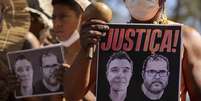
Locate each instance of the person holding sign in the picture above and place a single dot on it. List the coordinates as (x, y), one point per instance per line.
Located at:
(67, 18)
(141, 11)
(119, 72)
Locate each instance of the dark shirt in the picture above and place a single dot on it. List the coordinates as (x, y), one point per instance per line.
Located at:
(39, 88)
(138, 95)
(107, 98)
(143, 97)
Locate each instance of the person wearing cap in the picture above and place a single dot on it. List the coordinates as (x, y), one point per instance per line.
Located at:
(141, 11)
(40, 31)
(67, 18)
(66, 21)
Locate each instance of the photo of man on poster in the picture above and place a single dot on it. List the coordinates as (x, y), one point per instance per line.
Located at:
(48, 83)
(155, 74)
(119, 72)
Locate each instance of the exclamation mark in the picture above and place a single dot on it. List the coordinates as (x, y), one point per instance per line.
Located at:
(176, 36)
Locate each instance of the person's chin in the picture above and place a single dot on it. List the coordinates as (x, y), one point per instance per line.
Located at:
(156, 89)
(61, 38)
(157, 85)
(53, 82)
(120, 87)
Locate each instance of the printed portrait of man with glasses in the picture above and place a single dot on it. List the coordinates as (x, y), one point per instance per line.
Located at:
(49, 83)
(155, 75)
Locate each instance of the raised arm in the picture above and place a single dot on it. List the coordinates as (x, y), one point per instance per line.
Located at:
(81, 76)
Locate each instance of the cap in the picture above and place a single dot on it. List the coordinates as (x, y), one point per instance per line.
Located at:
(83, 3)
(43, 6)
(46, 6)
(46, 20)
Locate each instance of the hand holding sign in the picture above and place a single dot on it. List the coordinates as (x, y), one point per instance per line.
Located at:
(95, 16)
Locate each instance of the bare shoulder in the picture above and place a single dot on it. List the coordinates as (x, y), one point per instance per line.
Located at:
(191, 37)
(190, 33)
(192, 43)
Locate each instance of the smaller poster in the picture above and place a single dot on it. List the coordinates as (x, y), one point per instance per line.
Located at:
(36, 70)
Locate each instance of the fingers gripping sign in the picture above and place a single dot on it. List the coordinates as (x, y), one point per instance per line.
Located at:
(94, 26)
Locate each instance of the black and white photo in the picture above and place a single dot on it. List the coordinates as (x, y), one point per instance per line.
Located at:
(36, 70)
(48, 83)
(119, 72)
(23, 69)
(155, 74)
